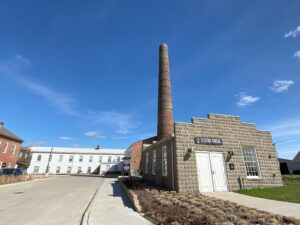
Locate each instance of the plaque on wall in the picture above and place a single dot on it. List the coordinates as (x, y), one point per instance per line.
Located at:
(208, 141)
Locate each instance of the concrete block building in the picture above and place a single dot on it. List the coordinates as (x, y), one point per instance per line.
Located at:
(217, 153)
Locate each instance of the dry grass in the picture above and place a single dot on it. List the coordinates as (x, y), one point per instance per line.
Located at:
(18, 178)
(169, 207)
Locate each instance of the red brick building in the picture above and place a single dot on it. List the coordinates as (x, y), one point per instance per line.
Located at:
(10, 145)
(133, 154)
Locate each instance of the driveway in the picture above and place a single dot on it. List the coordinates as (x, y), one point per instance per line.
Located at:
(272, 206)
(63, 200)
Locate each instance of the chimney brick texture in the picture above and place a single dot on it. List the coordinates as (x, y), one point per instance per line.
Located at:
(165, 121)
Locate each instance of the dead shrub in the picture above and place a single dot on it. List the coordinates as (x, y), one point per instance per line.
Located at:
(172, 208)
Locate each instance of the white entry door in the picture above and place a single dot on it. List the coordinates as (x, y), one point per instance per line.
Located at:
(211, 172)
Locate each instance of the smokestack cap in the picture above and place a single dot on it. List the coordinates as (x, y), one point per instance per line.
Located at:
(163, 45)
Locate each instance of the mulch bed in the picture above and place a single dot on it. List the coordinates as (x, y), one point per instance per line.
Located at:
(169, 207)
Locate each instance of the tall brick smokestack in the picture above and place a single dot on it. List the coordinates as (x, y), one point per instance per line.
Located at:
(165, 121)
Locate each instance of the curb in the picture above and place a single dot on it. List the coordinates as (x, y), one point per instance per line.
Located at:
(132, 197)
(26, 182)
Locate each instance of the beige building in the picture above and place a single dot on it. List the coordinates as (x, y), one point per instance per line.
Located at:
(218, 153)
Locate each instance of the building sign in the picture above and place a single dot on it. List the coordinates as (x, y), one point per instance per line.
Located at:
(208, 141)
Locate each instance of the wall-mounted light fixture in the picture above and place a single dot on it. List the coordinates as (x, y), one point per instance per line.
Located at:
(230, 153)
(188, 154)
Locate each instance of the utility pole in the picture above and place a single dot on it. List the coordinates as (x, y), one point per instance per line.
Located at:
(50, 158)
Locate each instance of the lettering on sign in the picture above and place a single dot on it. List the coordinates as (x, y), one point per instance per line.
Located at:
(208, 141)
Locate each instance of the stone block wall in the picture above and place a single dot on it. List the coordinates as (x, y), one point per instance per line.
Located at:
(234, 135)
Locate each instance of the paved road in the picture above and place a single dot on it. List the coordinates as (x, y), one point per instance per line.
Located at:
(60, 200)
(57, 201)
(272, 206)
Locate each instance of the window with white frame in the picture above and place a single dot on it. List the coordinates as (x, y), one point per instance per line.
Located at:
(12, 152)
(250, 160)
(58, 169)
(153, 162)
(100, 158)
(164, 161)
(147, 161)
(71, 157)
(109, 158)
(80, 158)
(39, 158)
(4, 147)
(91, 158)
(61, 158)
(118, 158)
(89, 169)
(79, 169)
(69, 169)
(36, 169)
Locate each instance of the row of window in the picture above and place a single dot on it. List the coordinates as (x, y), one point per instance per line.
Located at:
(249, 154)
(69, 169)
(5, 147)
(71, 158)
(23, 155)
(163, 152)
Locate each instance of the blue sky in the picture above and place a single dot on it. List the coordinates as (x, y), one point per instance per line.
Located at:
(81, 73)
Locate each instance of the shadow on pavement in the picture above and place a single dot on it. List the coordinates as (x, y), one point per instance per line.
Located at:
(118, 192)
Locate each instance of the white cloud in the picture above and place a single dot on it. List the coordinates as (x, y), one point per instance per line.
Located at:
(293, 33)
(286, 135)
(76, 145)
(286, 128)
(297, 54)
(65, 138)
(120, 137)
(124, 123)
(24, 60)
(12, 69)
(94, 134)
(280, 86)
(37, 143)
(245, 100)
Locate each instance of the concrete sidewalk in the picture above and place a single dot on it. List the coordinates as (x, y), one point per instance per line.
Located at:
(111, 206)
(272, 206)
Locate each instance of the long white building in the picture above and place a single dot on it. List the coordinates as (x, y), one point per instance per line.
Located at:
(58, 160)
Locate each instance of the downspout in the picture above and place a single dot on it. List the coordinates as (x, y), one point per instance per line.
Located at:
(172, 150)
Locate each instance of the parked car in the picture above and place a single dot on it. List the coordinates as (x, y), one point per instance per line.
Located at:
(11, 171)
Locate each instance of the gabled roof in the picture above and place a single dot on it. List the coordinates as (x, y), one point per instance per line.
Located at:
(297, 157)
(9, 135)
